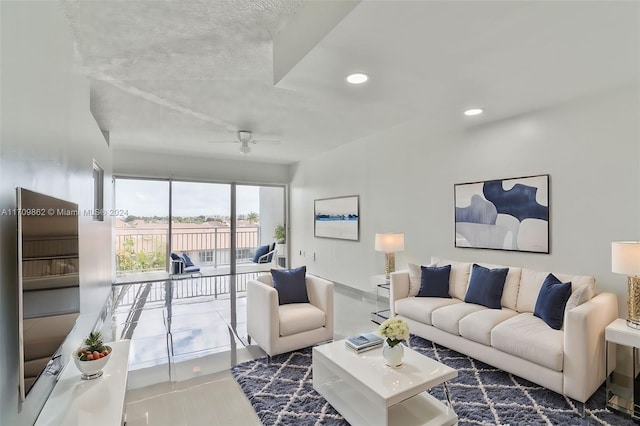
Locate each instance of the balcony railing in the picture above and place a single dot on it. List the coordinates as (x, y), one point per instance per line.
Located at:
(156, 293)
(141, 250)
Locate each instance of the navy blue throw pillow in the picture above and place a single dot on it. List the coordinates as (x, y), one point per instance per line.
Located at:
(435, 281)
(260, 251)
(551, 301)
(176, 257)
(187, 260)
(485, 286)
(291, 285)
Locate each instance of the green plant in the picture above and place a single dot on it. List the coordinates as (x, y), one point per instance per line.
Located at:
(280, 234)
(94, 342)
(128, 259)
(253, 217)
(93, 348)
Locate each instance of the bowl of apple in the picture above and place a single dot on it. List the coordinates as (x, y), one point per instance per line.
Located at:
(91, 358)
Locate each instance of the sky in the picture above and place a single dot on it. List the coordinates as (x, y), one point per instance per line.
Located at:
(151, 198)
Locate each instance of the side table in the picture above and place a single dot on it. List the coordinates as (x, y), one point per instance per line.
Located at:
(383, 286)
(623, 384)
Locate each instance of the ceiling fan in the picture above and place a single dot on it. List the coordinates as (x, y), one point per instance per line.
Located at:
(245, 137)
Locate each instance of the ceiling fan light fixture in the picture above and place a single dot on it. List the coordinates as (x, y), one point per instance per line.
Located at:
(245, 148)
(244, 136)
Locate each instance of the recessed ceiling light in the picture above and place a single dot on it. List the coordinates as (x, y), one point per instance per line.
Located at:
(473, 111)
(357, 78)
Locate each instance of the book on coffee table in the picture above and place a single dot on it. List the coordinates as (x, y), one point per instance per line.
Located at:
(364, 342)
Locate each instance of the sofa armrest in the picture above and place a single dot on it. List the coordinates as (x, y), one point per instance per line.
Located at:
(320, 293)
(584, 345)
(399, 289)
(263, 319)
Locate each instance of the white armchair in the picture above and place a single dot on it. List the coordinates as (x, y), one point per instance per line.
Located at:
(283, 328)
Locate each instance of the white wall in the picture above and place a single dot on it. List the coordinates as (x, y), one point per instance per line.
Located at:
(271, 212)
(48, 142)
(145, 164)
(405, 179)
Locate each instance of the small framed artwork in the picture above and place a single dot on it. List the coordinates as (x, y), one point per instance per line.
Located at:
(504, 214)
(337, 217)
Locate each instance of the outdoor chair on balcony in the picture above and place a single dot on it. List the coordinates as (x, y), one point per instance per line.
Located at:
(183, 265)
(265, 254)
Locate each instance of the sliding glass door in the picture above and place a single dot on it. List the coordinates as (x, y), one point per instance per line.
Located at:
(260, 210)
(142, 229)
(201, 224)
(197, 219)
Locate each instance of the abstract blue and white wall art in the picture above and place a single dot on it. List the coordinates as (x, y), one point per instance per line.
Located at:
(507, 214)
(337, 218)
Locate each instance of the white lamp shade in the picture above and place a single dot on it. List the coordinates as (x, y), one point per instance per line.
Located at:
(389, 243)
(625, 257)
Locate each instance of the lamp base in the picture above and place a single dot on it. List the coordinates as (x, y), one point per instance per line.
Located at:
(390, 264)
(633, 302)
(633, 324)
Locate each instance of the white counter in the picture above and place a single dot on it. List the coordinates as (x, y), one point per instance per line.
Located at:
(97, 402)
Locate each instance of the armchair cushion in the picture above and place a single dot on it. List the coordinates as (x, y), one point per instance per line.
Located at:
(300, 317)
(260, 251)
(291, 285)
(187, 260)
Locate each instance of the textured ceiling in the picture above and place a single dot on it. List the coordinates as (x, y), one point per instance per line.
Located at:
(171, 76)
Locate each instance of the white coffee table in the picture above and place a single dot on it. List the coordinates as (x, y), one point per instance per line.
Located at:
(367, 392)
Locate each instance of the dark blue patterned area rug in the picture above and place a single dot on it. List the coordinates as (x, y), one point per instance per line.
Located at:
(282, 394)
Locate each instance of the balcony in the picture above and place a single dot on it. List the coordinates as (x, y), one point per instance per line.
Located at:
(142, 252)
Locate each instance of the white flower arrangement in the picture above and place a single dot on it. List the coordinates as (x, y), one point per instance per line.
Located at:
(395, 330)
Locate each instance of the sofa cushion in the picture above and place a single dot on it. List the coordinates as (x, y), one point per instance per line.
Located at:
(458, 278)
(291, 285)
(528, 337)
(531, 281)
(578, 297)
(477, 326)
(551, 301)
(448, 317)
(420, 308)
(511, 284)
(299, 317)
(434, 281)
(415, 278)
(486, 286)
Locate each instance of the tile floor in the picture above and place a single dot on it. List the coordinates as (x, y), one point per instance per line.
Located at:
(186, 335)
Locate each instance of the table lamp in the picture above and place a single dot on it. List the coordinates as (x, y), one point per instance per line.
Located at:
(389, 243)
(625, 259)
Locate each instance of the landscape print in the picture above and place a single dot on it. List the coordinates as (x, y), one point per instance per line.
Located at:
(337, 218)
(507, 214)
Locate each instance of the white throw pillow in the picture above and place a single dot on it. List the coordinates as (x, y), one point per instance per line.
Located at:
(415, 278)
(582, 294)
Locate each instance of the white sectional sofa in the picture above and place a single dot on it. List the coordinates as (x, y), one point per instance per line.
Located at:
(570, 361)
